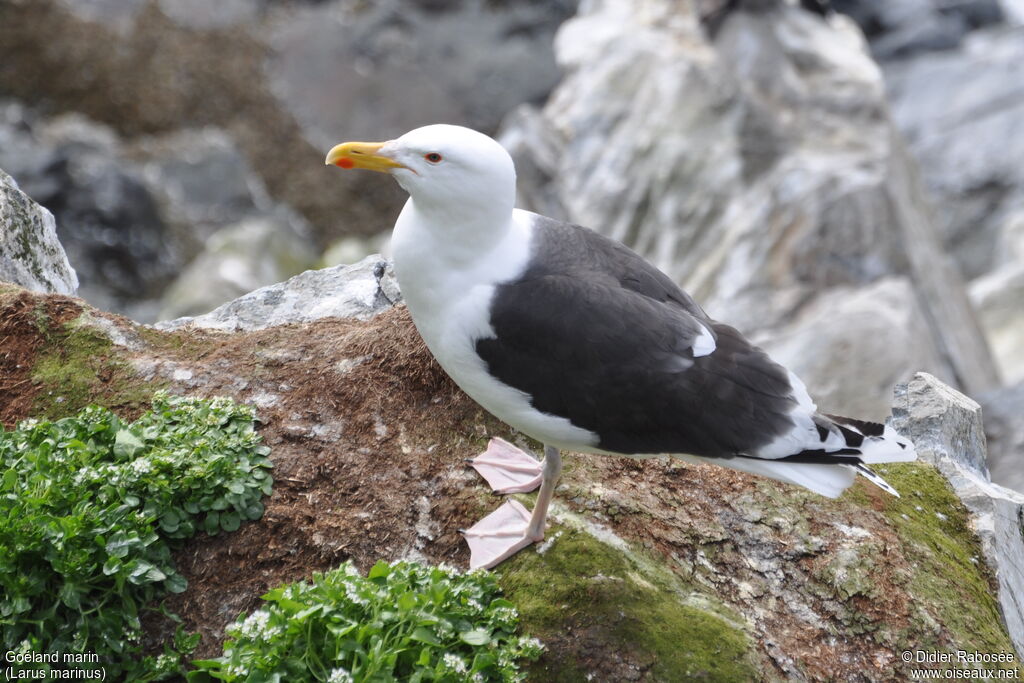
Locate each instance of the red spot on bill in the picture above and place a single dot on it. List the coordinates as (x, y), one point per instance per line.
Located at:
(345, 162)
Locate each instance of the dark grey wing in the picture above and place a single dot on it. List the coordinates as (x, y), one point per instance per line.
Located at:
(606, 341)
(567, 249)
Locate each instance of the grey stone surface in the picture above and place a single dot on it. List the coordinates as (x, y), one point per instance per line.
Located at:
(891, 342)
(946, 428)
(910, 27)
(134, 214)
(962, 112)
(759, 169)
(31, 256)
(107, 219)
(202, 182)
(359, 291)
(1003, 410)
(998, 297)
(413, 63)
(941, 421)
(236, 260)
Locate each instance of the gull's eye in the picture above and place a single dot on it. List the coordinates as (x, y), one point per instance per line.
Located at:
(433, 157)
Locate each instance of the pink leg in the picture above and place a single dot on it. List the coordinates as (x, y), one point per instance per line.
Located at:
(511, 527)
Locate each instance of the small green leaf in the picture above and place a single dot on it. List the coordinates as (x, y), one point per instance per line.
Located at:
(254, 510)
(230, 521)
(379, 570)
(126, 444)
(176, 583)
(424, 635)
(477, 636)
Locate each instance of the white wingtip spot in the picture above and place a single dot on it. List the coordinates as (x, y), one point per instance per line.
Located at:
(704, 344)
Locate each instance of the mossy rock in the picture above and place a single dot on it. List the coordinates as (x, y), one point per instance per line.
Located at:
(614, 610)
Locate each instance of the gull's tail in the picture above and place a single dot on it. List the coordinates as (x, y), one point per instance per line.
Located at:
(838, 449)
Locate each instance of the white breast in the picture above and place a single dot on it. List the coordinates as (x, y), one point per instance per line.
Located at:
(449, 293)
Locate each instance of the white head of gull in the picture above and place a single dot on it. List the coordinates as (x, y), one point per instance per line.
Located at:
(578, 342)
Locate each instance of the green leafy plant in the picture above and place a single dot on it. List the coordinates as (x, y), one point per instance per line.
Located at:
(89, 507)
(403, 621)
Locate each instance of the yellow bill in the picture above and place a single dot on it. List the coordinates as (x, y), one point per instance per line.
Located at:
(361, 155)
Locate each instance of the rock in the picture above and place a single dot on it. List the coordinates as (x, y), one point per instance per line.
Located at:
(202, 15)
(107, 220)
(31, 255)
(450, 59)
(352, 249)
(1014, 10)
(133, 213)
(236, 260)
(961, 112)
(202, 182)
(652, 570)
(900, 29)
(892, 340)
(1003, 410)
(310, 72)
(946, 428)
(758, 169)
(998, 298)
(361, 290)
(941, 421)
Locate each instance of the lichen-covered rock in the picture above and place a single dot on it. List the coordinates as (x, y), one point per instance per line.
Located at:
(31, 256)
(358, 291)
(947, 429)
(758, 167)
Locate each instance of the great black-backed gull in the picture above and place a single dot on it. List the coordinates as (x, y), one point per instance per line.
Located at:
(576, 341)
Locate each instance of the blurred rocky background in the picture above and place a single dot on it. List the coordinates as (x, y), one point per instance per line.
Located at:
(841, 181)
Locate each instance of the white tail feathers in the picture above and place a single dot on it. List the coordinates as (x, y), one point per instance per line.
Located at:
(850, 444)
(875, 442)
(828, 480)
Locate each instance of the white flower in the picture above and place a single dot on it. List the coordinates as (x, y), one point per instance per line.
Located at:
(142, 466)
(529, 644)
(257, 626)
(165, 662)
(504, 615)
(237, 670)
(454, 662)
(340, 675)
(353, 596)
(476, 606)
(478, 677)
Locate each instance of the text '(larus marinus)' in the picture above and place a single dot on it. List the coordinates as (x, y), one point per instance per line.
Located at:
(578, 342)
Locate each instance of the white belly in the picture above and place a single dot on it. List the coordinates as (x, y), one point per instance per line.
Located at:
(450, 304)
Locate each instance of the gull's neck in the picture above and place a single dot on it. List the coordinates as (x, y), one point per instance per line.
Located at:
(440, 259)
(458, 235)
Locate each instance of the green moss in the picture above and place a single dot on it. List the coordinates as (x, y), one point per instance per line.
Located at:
(950, 578)
(76, 367)
(179, 344)
(585, 599)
